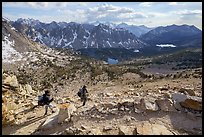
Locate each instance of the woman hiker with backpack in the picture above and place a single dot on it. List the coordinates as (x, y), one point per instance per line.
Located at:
(46, 100)
(83, 94)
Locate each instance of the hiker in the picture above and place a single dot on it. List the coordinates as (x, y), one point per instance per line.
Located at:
(84, 94)
(47, 100)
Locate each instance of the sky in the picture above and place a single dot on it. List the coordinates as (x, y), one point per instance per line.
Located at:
(151, 14)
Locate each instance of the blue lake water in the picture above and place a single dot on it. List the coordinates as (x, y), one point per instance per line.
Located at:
(112, 61)
(166, 45)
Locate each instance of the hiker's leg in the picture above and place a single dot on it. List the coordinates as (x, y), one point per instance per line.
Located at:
(34, 106)
(46, 108)
(84, 101)
(51, 107)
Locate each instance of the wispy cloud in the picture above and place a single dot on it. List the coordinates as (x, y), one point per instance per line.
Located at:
(104, 12)
(188, 12)
(173, 3)
(37, 5)
(146, 4)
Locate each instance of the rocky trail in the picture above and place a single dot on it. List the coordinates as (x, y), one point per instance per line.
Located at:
(156, 108)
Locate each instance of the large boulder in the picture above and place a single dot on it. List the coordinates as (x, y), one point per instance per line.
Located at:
(125, 130)
(28, 88)
(95, 131)
(65, 112)
(7, 116)
(11, 80)
(194, 103)
(186, 101)
(151, 129)
(107, 128)
(49, 123)
(126, 104)
(165, 104)
(148, 105)
(33, 104)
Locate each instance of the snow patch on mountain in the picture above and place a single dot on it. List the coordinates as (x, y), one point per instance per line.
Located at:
(13, 28)
(75, 36)
(136, 50)
(9, 54)
(60, 41)
(92, 43)
(120, 43)
(109, 43)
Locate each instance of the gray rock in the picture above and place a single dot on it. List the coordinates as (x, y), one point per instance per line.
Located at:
(186, 101)
(11, 80)
(107, 128)
(151, 129)
(34, 103)
(65, 112)
(124, 130)
(165, 105)
(95, 131)
(49, 123)
(148, 105)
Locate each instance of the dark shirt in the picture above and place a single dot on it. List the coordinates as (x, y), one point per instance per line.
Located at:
(47, 99)
(84, 91)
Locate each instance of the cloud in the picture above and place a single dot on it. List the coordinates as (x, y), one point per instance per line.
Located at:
(113, 13)
(83, 3)
(102, 12)
(188, 12)
(146, 4)
(173, 3)
(177, 3)
(38, 5)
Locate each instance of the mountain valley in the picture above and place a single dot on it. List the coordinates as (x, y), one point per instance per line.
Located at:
(150, 91)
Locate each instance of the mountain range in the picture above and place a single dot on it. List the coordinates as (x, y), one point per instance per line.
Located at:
(104, 40)
(77, 36)
(183, 35)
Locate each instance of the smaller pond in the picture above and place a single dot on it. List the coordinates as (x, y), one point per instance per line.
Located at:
(166, 45)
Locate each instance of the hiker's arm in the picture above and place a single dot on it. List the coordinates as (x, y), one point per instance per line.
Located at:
(51, 100)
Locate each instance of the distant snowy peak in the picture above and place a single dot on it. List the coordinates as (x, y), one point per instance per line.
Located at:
(63, 24)
(30, 22)
(96, 23)
(111, 25)
(122, 25)
(136, 30)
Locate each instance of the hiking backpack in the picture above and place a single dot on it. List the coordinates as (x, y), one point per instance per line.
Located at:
(41, 101)
(79, 92)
